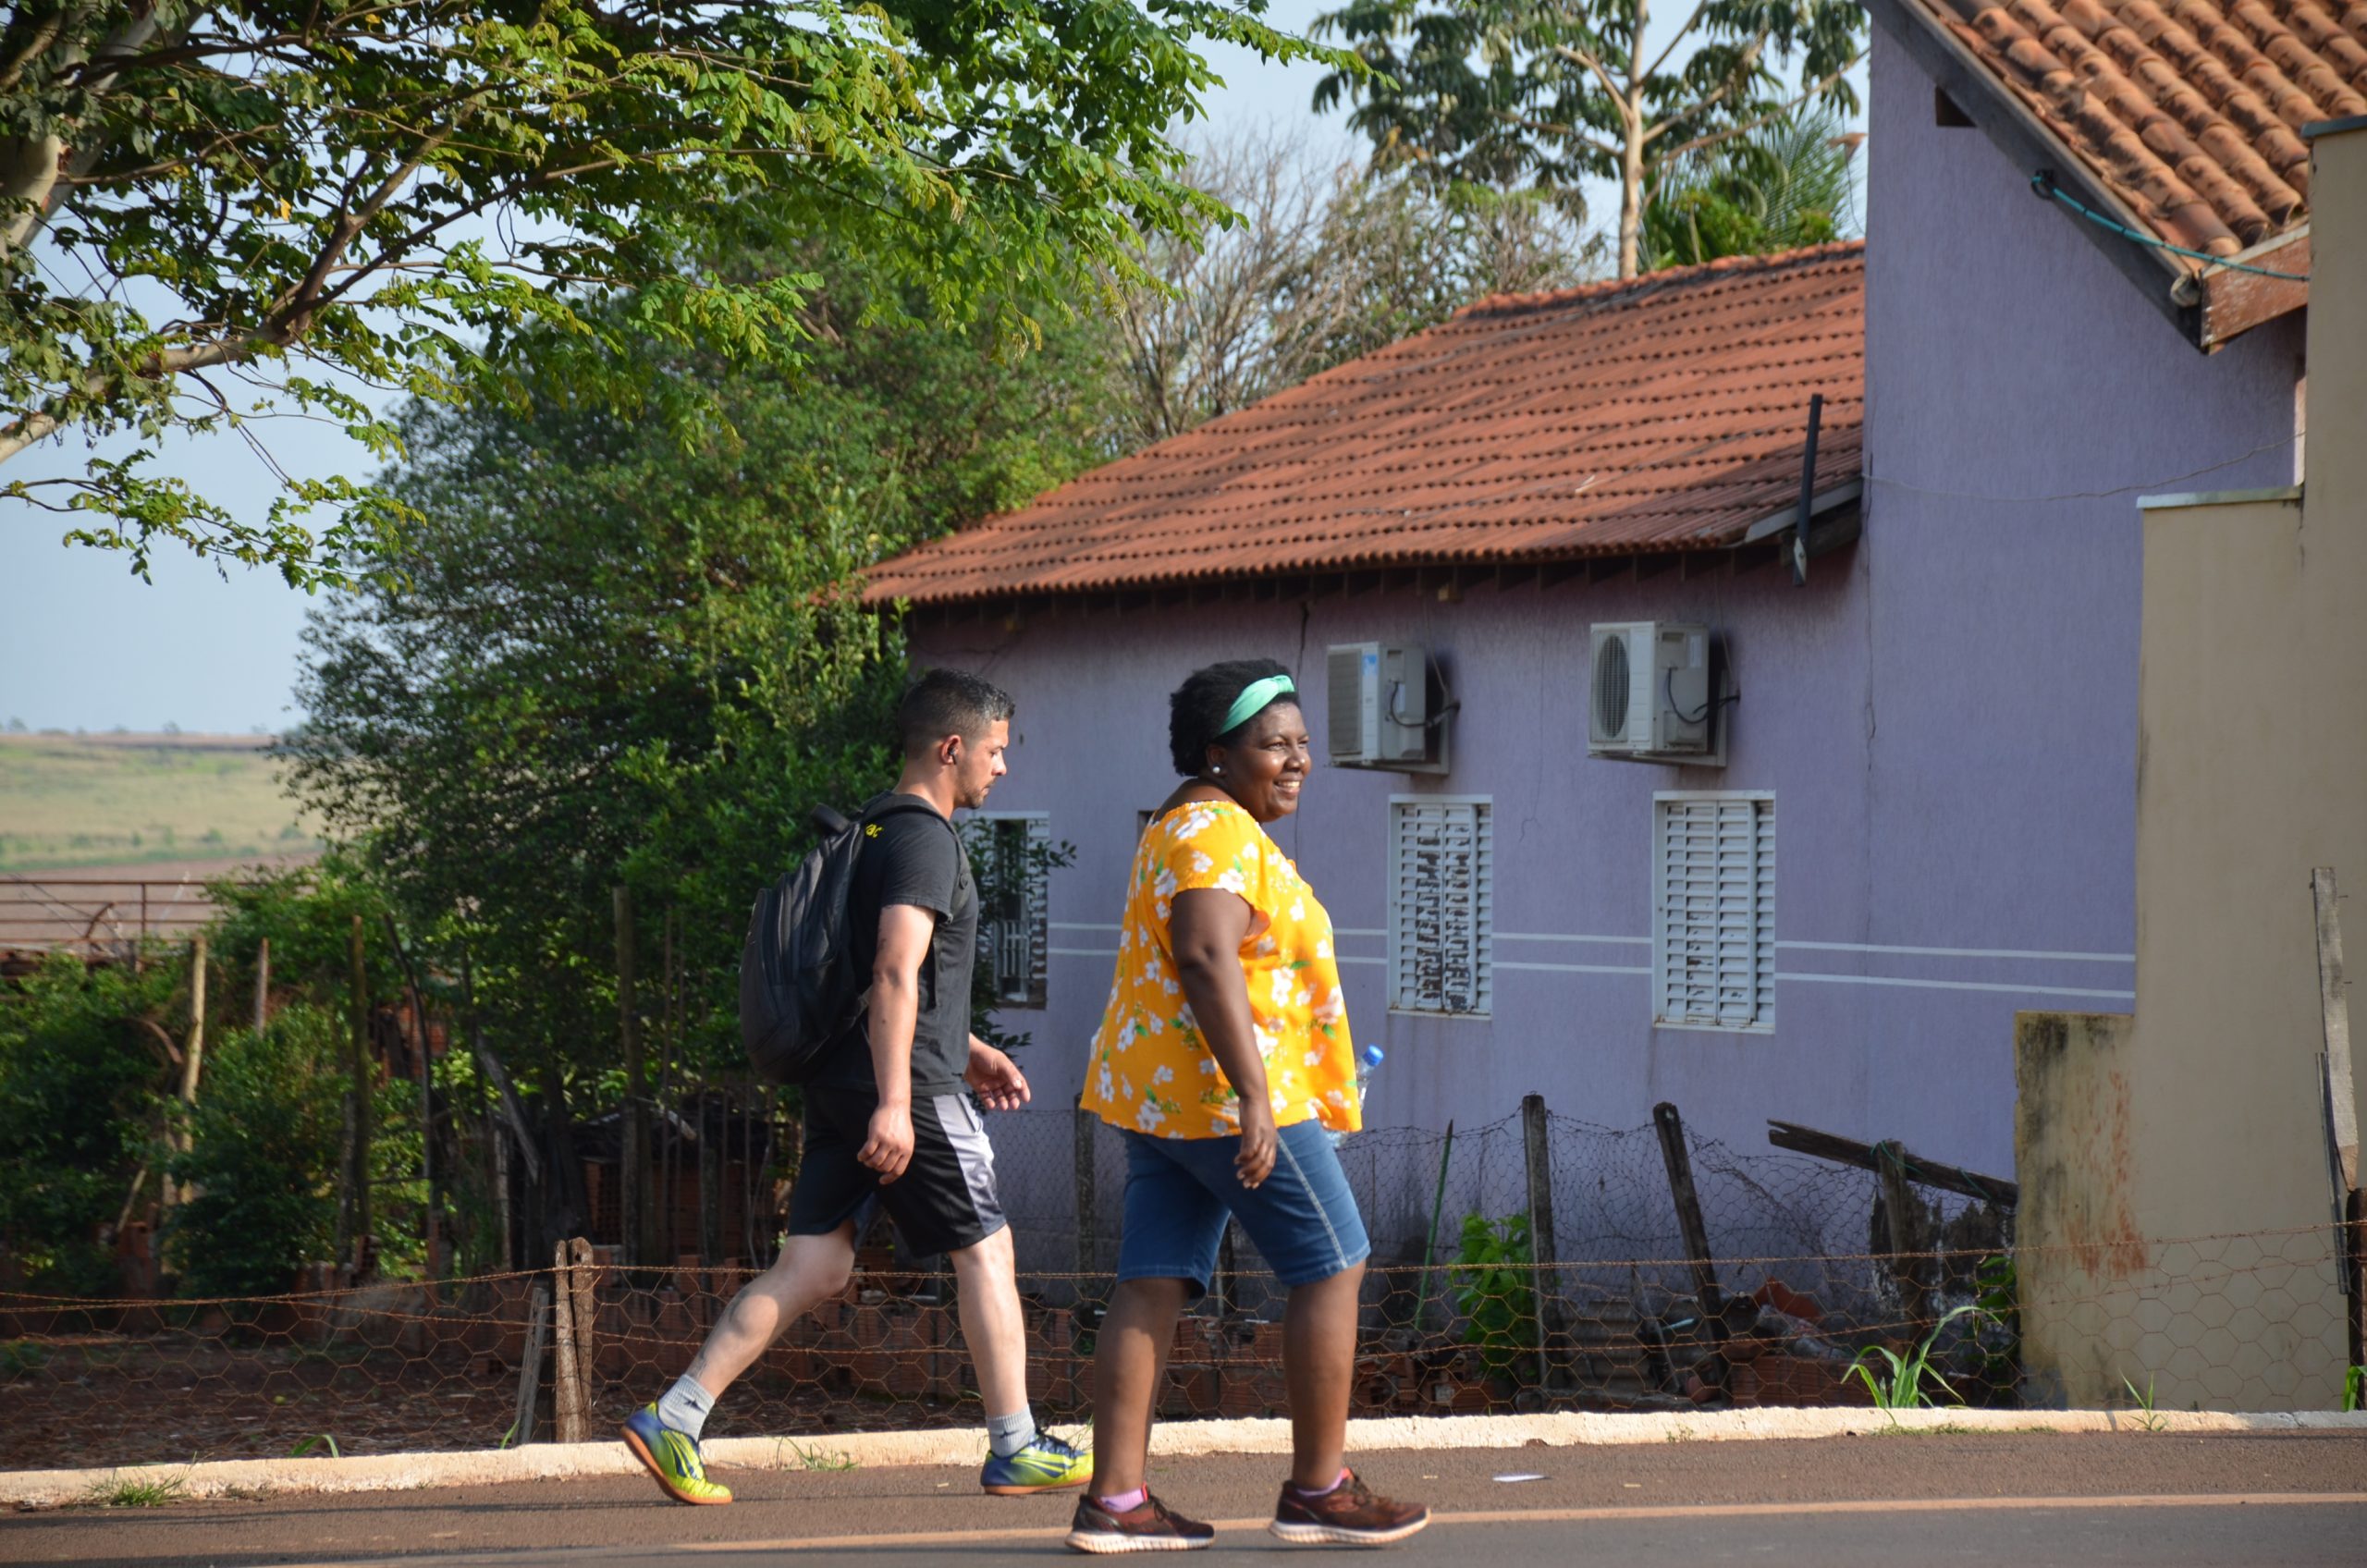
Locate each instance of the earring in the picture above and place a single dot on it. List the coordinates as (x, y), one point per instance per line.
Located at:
(1217, 768)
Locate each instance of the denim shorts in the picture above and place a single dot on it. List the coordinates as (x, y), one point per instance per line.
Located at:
(1302, 1219)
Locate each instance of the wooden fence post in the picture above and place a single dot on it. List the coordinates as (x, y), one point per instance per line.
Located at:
(1904, 1212)
(584, 1279)
(1087, 1127)
(1696, 1232)
(263, 981)
(568, 1413)
(1545, 1280)
(530, 1363)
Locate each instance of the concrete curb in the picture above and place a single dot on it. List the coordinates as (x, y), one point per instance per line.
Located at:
(966, 1445)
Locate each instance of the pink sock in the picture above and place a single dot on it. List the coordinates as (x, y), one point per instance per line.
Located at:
(1338, 1481)
(1123, 1502)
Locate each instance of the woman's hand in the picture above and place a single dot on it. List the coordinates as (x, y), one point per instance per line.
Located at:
(1255, 1161)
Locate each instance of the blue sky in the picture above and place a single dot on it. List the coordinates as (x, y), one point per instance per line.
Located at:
(84, 644)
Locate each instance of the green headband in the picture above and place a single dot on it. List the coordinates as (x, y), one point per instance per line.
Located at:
(1254, 699)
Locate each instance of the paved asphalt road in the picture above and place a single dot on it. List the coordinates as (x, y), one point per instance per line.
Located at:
(2094, 1502)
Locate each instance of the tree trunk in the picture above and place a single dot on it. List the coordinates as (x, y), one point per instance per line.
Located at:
(353, 1180)
(1631, 190)
(632, 1164)
(565, 1210)
(193, 1057)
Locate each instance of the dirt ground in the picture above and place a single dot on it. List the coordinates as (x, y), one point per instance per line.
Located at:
(175, 1398)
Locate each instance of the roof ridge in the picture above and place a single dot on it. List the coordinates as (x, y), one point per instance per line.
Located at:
(1605, 288)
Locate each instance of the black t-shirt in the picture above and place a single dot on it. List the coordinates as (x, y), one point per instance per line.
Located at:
(914, 856)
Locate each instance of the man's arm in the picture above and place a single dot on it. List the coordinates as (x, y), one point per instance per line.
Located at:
(895, 1011)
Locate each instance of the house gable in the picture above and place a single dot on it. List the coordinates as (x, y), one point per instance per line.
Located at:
(2175, 120)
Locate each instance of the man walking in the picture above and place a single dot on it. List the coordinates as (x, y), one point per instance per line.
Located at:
(886, 1117)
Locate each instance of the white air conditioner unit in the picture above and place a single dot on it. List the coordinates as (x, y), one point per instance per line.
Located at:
(1653, 695)
(1380, 712)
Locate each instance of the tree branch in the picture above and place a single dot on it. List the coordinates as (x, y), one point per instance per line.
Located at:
(1552, 127)
(1570, 51)
(1678, 37)
(1740, 73)
(39, 186)
(32, 427)
(1775, 114)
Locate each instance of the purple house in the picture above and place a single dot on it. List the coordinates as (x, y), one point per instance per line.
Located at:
(1700, 741)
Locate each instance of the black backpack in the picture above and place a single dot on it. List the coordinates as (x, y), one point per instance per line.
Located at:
(799, 991)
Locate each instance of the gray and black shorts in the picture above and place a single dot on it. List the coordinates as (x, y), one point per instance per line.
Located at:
(944, 1201)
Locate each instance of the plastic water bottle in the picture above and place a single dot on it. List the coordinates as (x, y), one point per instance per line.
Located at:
(1367, 1058)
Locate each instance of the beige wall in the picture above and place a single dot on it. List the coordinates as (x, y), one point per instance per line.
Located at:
(2202, 1118)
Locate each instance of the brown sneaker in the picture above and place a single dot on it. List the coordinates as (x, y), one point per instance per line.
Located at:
(1349, 1514)
(1151, 1527)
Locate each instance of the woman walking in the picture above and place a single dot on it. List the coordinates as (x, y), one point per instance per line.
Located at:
(1224, 1057)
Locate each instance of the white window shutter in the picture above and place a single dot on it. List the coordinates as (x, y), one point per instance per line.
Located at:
(1441, 904)
(1039, 909)
(1014, 935)
(1714, 924)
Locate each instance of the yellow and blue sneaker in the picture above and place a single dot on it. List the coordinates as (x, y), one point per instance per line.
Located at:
(1048, 1465)
(672, 1458)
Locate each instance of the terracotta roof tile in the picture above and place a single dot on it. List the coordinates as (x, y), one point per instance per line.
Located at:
(1664, 413)
(2188, 111)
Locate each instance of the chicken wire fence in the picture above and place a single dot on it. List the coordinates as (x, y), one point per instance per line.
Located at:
(1536, 1262)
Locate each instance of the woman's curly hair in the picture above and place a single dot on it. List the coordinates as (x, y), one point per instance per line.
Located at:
(1196, 710)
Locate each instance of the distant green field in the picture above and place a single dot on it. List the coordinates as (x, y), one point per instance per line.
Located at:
(69, 800)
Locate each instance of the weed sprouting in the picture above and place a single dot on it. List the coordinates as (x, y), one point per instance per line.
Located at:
(1903, 1388)
(2148, 1418)
(119, 1490)
(816, 1459)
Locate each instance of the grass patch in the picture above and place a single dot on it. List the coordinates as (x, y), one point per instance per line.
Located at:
(816, 1459)
(119, 1490)
(1944, 1429)
(20, 1357)
(125, 800)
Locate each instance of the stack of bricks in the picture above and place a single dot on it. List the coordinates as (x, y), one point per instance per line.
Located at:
(1229, 1367)
(1778, 1380)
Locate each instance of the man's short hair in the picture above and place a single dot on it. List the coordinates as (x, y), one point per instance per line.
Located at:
(948, 702)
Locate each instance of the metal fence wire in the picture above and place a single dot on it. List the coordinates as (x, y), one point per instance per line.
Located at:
(1808, 1263)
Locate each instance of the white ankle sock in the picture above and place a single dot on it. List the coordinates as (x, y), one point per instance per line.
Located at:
(685, 1406)
(1006, 1435)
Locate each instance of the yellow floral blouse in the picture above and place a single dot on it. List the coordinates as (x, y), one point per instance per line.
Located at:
(1150, 1068)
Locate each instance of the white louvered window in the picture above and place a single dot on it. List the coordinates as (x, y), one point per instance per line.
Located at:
(1010, 854)
(1713, 911)
(1442, 903)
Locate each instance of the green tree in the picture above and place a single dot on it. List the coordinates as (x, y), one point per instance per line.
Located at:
(82, 1069)
(1502, 92)
(1787, 184)
(263, 1153)
(217, 215)
(618, 657)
